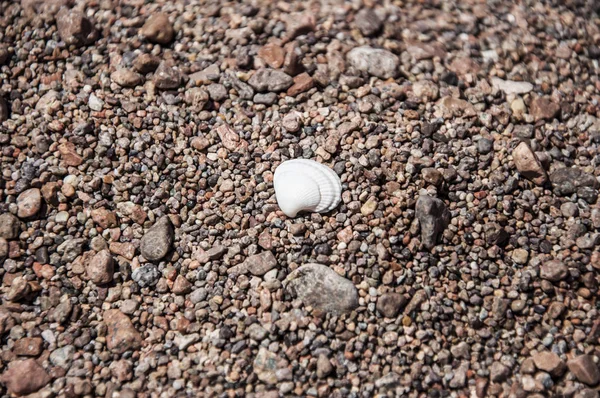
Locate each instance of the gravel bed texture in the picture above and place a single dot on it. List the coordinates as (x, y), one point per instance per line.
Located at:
(143, 252)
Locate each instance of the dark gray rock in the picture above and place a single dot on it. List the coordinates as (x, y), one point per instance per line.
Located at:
(3, 109)
(570, 180)
(434, 217)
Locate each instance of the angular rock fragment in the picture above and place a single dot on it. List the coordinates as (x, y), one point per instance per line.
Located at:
(585, 369)
(433, 217)
(257, 264)
(368, 22)
(374, 61)
(528, 164)
(24, 377)
(75, 28)
(320, 287)
(101, 268)
(122, 335)
(570, 180)
(158, 29)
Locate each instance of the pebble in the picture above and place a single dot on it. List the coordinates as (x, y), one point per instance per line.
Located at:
(158, 239)
(126, 78)
(302, 83)
(62, 311)
(266, 366)
(320, 287)
(499, 372)
(95, 104)
(433, 217)
(529, 165)
(271, 80)
(4, 55)
(74, 28)
(217, 92)
(256, 332)
(166, 77)
(299, 24)
(100, 269)
(28, 346)
(123, 249)
(19, 289)
(485, 145)
(4, 110)
(520, 256)
(181, 285)
(549, 362)
(324, 367)
(29, 203)
(585, 369)
(542, 108)
(553, 271)
(272, 54)
(122, 335)
(450, 106)
(510, 87)
(104, 218)
(292, 122)
(432, 176)
(24, 377)
(391, 304)
(377, 62)
(257, 264)
(146, 63)
(9, 226)
(158, 29)
(62, 356)
(368, 22)
(146, 275)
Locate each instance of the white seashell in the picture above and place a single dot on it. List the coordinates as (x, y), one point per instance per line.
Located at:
(306, 185)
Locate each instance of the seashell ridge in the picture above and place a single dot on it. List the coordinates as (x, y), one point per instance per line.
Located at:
(306, 185)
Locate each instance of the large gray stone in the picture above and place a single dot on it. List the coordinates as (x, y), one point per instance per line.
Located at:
(157, 241)
(374, 61)
(321, 287)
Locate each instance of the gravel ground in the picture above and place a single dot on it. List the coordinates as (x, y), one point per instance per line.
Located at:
(143, 252)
